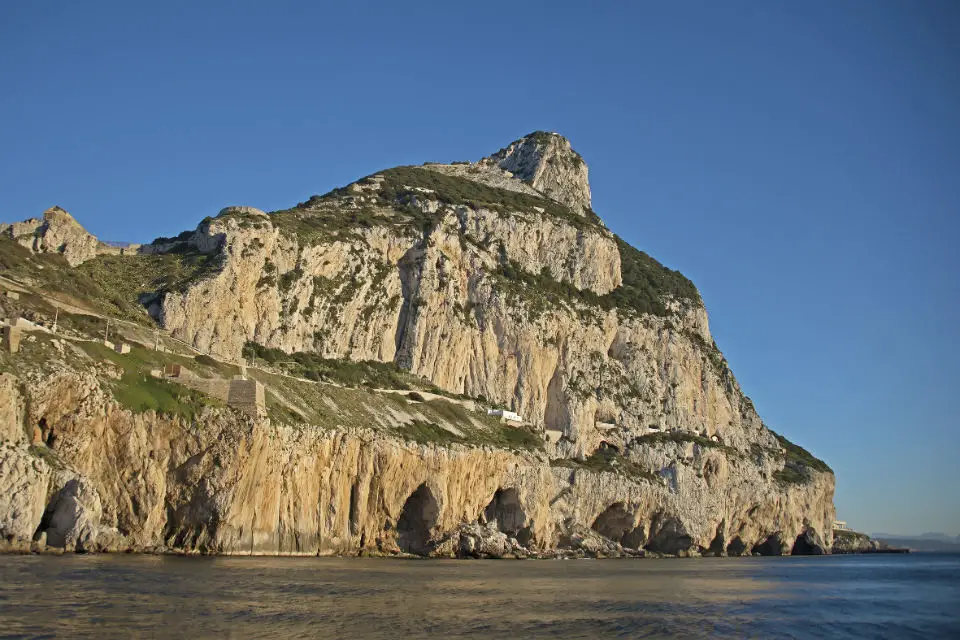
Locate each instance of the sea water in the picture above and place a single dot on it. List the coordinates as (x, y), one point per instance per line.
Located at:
(866, 596)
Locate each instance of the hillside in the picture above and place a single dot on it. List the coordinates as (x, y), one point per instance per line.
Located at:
(381, 322)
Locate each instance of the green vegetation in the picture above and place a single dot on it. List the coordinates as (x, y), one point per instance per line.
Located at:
(206, 360)
(849, 536)
(109, 284)
(298, 402)
(454, 190)
(683, 437)
(424, 432)
(647, 284)
(799, 456)
(798, 462)
(609, 460)
(350, 373)
(493, 434)
(138, 391)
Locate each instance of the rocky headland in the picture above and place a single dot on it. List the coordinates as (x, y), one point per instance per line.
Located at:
(381, 323)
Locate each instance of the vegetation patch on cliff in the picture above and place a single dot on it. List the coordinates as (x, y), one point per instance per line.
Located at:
(609, 460)
(455, 190)
(138, 391)
(647, 286)
(351, 373)
(109, 284)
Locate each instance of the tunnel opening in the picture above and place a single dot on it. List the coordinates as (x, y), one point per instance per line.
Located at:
(417, 520)
(507, 512)
(769, 547)
(616, 523)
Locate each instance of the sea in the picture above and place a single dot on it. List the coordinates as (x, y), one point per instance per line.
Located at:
(131, 596)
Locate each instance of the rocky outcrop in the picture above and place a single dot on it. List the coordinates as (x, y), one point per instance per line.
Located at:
(845, 541)
(56, 232)
(548, 163)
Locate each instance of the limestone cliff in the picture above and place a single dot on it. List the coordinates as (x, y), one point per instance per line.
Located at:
(492, 281)
(100, 476)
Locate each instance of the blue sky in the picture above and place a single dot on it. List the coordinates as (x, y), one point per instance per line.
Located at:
(799, 161)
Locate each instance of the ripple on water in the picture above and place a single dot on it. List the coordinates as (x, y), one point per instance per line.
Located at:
(120, 596)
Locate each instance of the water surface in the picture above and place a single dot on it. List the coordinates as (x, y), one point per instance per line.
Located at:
(914, 596)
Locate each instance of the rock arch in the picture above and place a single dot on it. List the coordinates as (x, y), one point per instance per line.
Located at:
(806, 544)
(417, 520)
(618, 524)
(507, 511)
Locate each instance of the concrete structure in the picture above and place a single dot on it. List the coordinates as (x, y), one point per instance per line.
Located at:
(109, 345)
(174, 370)
(504, 415)
(122, 347)
(248, 396)
(840, 525)
(11, 338)
(13, 295)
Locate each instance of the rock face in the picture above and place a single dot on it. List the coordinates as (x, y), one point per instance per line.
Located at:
(491, 280)
(57, 232)
(549, 164)
(224, 483)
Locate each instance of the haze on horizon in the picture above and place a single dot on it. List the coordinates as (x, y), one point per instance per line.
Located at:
(798, 163)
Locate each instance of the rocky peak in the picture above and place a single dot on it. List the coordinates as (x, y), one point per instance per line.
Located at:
(548, 163)
(57, 232)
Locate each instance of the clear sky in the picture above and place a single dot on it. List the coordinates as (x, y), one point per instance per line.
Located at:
(800, 161)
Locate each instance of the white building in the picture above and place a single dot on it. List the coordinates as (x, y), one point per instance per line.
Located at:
(503, 414)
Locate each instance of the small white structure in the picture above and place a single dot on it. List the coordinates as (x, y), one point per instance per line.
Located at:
(121, 347)
(840, 525)
(13, 295)
(503, 414)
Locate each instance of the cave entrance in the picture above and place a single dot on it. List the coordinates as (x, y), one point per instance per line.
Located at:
(769, 547)
(716, 547)
(417, 520)
(802, 547)
(669, 536)
(616, 523)
(736, 547)
(505, 509)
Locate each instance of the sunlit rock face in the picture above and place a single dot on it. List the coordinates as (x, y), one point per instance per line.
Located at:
(548, 163)
(492, 280)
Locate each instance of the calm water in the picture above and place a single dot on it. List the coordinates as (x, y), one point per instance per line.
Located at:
(915, 596)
